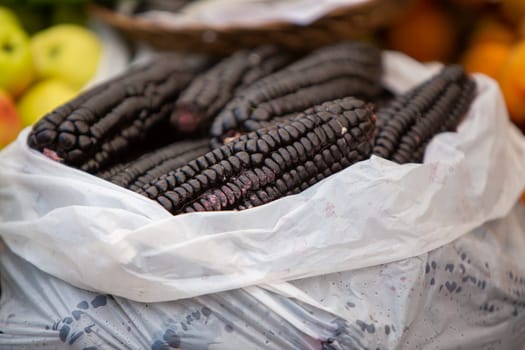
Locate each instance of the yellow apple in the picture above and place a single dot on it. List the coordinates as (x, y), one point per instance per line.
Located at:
(16, 71)
(10, 123)
(67, 52)
(7, 17)
(42, 98)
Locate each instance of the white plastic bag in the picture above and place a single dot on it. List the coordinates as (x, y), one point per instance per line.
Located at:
(468, 294)
(100, 237)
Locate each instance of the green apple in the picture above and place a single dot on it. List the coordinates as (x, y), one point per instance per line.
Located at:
(67, 52)
(16, 69)
(10, 123)
(42, 98)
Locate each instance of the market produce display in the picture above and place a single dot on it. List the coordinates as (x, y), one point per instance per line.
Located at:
(279, 196)
(272, 134)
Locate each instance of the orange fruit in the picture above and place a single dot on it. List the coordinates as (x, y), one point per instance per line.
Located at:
(486, 57)
(521, 28)
(512, 82)
(425, 32)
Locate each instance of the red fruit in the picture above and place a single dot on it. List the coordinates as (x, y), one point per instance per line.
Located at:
(10, 123)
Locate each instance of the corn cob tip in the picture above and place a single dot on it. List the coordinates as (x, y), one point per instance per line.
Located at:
(186, 120)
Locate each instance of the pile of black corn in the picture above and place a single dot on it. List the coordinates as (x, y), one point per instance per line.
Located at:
(204, 134)
(272, 162)
(348, 69)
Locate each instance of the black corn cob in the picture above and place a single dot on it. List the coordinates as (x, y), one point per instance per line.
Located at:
(108, 173)
(209, 92)
(94, 129)
(137, 173)
(407, 124)
(379, 101)
(322, 165)
(346, 69)
(270, 163)
(253, 125)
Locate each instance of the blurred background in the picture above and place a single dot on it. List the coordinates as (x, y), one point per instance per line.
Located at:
(52, 50)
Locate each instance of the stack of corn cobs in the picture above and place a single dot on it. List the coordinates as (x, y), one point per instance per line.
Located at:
(197, 134)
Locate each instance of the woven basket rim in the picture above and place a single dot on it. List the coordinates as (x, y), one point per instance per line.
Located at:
(144, 24)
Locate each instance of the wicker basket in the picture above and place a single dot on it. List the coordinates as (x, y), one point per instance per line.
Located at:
(343, 23)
